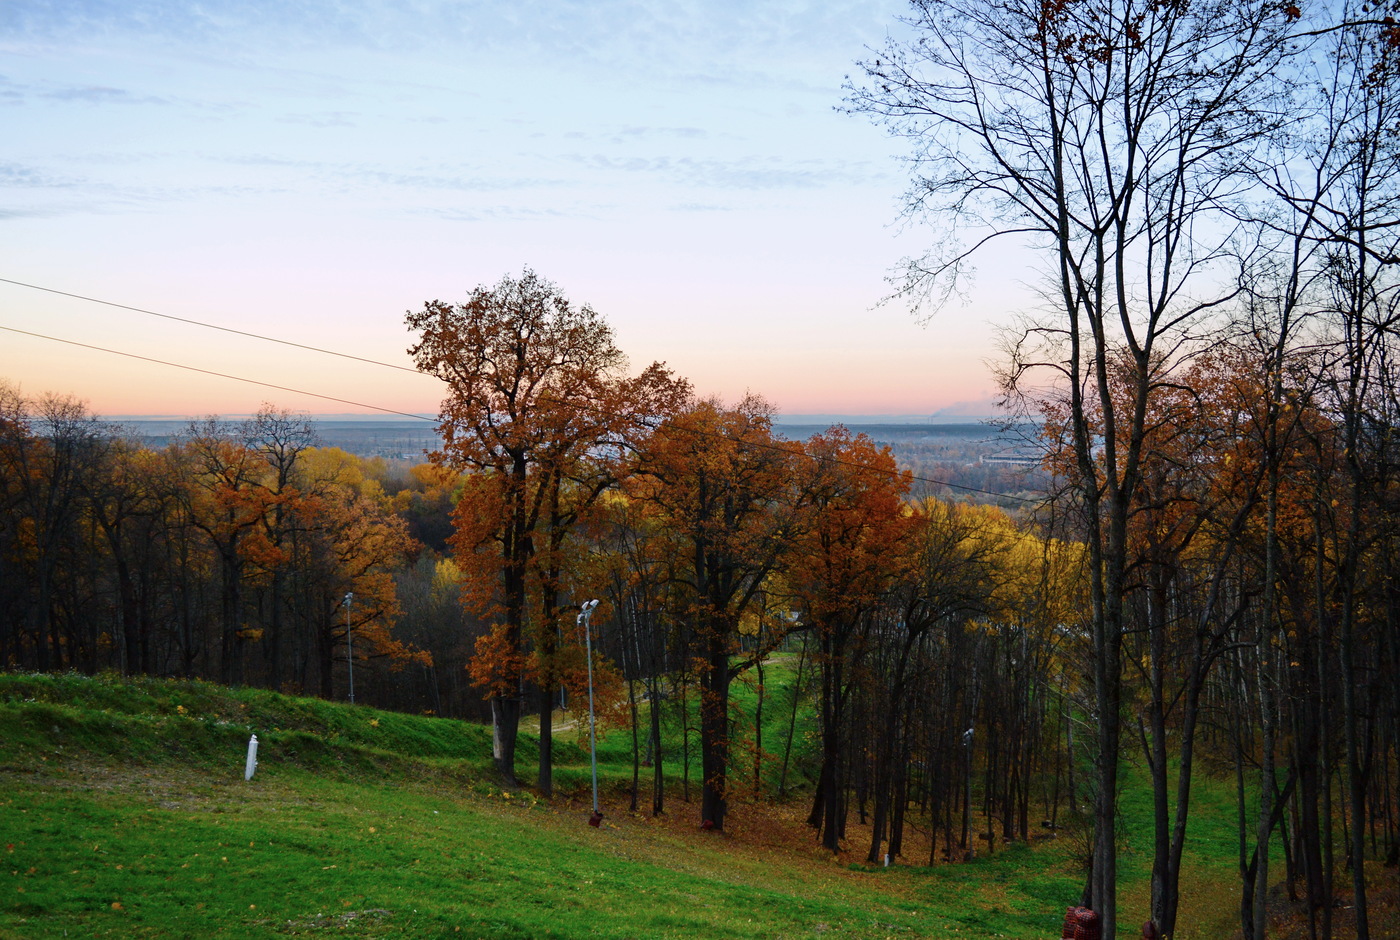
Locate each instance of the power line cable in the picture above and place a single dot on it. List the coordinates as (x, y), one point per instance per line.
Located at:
(329, 352)
(581, 405)
(222, 375)
(211, 326)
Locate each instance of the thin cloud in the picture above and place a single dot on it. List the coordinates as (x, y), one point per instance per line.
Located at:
(449, 182)
(322, 119)
(699, 207)
(631, 134)
(18, 93)
(506, 213)
(684, 133)
(101, 95)
(747, 173)
(444, 179)
(11, 92)
(21, 175)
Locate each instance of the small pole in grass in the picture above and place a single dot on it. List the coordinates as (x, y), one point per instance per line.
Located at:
(596, 819)
(252, 763)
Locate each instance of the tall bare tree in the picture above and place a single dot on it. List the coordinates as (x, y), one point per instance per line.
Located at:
(1110, 136)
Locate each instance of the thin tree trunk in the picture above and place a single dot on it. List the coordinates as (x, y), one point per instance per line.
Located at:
(792, 719)
(658, 785)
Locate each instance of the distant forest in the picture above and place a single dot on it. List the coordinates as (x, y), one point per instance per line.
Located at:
(980, 459)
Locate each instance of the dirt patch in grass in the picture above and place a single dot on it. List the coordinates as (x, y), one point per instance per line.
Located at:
(330, 921)
(762, 835)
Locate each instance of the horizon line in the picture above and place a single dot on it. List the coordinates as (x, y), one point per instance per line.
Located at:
(781, 418)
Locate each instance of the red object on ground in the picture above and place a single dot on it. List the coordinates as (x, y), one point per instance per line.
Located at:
(595, 820)
(1081, 923)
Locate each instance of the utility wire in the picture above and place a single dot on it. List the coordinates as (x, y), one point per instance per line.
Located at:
(272, 339)
(210, 326)
(580, 405)
(222, 375)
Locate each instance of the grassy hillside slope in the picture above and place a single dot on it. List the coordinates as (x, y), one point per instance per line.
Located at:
(123, 812)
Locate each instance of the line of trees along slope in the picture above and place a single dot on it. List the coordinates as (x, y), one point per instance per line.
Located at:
(226, 555)
(1195, 176)
(713, 543)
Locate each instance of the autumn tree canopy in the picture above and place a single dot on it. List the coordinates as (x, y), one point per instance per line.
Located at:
(537, 399)
(723, 487)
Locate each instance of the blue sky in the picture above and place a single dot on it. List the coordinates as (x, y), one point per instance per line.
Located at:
(312, 170)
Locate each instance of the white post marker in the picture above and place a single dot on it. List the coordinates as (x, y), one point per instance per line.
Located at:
(252, 764)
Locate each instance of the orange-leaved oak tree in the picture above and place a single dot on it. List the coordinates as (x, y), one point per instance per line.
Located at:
(724, 488)
(845, 559)
(538, 400)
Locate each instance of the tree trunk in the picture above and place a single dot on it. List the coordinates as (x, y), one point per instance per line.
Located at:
(792, 719)
(758, 721)
(714, 731)
(545, 779)
(636, 741)
(505, 725)
(658, 788)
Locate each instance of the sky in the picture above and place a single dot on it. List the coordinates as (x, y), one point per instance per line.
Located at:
(312, 170)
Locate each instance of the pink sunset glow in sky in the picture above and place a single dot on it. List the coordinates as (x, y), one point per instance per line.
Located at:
(311, 171)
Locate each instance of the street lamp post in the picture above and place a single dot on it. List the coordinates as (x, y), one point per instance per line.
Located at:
(967, 737)
(583, 618)
(350, 644)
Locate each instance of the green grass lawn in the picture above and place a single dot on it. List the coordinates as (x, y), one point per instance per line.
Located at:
(1210, 881)
(123, 812)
